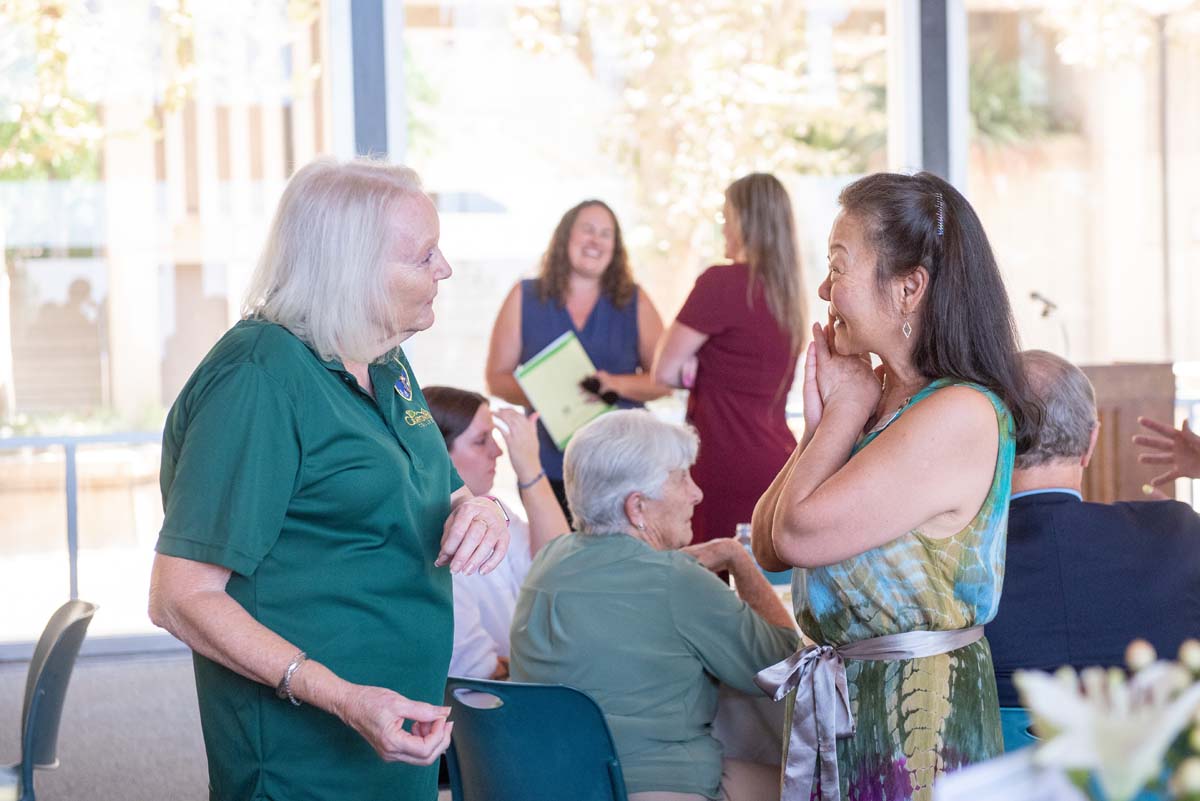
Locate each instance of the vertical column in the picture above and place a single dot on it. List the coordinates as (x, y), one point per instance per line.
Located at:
(903, 20)
(339, 69)
(397, 102)
(370, 83)
(927, 87)
(131, 240)
(935, 91)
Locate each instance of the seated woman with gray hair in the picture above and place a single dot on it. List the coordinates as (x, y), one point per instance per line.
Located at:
(625, 612)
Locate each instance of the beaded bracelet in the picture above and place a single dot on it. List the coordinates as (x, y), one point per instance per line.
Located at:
(526, 485)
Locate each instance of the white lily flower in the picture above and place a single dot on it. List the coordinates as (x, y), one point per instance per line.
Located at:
(1099, 722)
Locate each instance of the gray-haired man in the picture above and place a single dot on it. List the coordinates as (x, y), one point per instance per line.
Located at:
(1083, 579)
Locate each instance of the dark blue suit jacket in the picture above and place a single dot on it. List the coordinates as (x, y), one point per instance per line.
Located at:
(1083, 579)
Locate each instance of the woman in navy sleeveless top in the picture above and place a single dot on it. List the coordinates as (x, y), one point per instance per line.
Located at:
(585, 286)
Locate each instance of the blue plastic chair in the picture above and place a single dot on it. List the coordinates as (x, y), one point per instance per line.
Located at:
(45, 690)
(529, 742)
(1014, 723)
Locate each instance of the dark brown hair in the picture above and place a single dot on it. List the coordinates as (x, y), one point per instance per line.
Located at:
(768, 229)
(453, 410)
(617, 281)
(966, 326)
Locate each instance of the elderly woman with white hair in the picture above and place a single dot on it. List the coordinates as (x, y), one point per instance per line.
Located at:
(624, 611)
(310, 502)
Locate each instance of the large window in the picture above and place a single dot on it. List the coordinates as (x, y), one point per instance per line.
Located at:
(143, 145)
(518, 111)
(1082, 152)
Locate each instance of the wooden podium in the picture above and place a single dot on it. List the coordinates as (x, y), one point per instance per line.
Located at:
(1125, 392)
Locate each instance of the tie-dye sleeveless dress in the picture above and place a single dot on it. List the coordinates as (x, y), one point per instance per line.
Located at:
(916, 718)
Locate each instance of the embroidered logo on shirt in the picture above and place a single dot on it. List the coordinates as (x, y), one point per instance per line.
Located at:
(404, 384)
(418, 418)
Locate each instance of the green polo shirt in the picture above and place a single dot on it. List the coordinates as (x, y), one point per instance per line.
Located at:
(328, 507)
(647, 634)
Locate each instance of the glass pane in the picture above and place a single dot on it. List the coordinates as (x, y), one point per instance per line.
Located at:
(120, 513)
(34, 571)
(1079, 110)
(516, 112)
(143, 146)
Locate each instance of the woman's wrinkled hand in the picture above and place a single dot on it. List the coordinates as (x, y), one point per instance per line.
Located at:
(842, 381)
(1176, 449)
(475, 537)
(717, 555)
(379, 714)
(521, 442)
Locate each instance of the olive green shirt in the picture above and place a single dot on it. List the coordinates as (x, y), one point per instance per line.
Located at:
(647, 634)
(328, 506)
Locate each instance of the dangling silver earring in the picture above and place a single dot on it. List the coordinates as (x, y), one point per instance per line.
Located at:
(906, 328)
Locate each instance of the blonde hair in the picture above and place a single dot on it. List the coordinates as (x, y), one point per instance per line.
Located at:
(764, 215)
(321, 271)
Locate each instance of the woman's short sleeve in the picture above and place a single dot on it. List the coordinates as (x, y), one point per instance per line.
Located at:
(230, 466)
(716, 302)
(729, 637)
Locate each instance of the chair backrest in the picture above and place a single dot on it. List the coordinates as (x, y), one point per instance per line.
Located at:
(529, 742)
(1014, 723)
(46, 684)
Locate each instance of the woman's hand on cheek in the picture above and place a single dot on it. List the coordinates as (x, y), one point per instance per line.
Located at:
(844, 382)
(813, 407)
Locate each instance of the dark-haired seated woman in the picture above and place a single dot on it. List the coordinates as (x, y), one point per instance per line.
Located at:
(483, 605)
(894, 504)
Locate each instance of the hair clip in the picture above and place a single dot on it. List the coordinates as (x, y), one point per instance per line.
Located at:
(941, 215)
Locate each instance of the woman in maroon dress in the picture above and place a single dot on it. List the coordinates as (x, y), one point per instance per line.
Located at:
(734, 345)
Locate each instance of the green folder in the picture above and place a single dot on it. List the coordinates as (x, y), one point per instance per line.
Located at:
(551, 379)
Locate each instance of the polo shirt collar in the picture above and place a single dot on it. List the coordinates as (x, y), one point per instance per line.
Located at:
(390, 360)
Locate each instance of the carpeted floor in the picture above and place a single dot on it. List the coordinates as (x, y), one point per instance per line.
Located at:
(130, 731)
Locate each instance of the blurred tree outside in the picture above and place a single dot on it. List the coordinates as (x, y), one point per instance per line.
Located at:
(715, 89)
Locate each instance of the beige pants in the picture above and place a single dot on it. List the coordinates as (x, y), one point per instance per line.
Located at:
(740, 781)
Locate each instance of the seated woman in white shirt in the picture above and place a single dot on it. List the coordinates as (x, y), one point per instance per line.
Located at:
(483, 605)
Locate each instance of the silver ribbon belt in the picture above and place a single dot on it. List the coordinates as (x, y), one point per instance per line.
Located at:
(821, 712)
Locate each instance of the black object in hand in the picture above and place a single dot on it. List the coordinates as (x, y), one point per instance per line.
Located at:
(592, 384)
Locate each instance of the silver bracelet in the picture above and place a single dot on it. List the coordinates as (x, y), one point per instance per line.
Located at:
(284, 690)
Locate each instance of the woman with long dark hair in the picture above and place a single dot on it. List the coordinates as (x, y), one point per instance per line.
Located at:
(585, 285)
(895, 503)
(734, 345)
